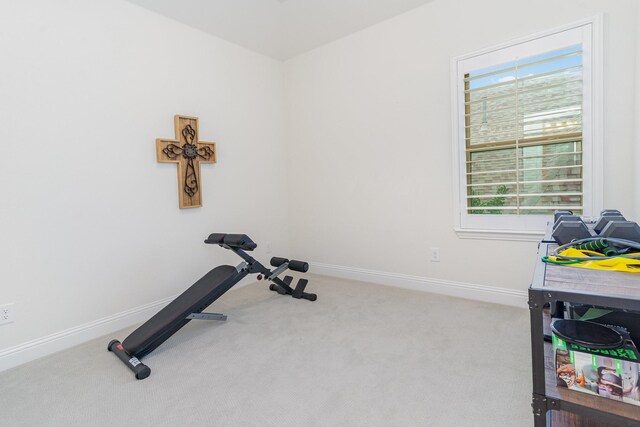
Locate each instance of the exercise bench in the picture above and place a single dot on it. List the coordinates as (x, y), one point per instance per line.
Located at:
(191, 303)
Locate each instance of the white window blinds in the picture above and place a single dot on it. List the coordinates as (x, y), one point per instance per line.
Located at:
(523, 125)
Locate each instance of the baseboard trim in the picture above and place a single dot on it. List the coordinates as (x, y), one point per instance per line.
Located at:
(444, 287)
(40, 347)
(44, 346)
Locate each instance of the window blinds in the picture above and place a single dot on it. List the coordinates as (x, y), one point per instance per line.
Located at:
(523, 132)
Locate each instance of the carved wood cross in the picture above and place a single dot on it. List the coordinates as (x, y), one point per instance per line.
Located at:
(188, 152)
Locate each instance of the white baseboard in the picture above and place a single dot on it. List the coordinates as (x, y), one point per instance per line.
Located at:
(44, 346)
(40, 347)
(472, 291)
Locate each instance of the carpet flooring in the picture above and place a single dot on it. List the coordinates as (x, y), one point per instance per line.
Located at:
(361, 355)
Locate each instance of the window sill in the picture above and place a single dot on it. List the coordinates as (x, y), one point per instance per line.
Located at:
(506, 235)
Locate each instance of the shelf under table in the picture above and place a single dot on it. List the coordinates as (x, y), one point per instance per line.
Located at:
(622, 409)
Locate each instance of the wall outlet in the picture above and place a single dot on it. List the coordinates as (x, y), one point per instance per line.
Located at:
(6, 313)
(267, 247)
(435, 254)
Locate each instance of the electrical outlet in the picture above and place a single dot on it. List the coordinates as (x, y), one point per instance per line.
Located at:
(6, 313)
(267, 247)
(435, 254)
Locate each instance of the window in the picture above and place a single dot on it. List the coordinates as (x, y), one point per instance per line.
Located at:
(525, 133)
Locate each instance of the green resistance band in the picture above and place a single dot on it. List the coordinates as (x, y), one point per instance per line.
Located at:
(552, 261)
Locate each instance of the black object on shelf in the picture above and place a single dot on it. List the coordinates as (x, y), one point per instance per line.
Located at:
(588, 334)
(629, 320)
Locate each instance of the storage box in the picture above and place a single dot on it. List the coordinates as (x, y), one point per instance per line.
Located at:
(611, 373)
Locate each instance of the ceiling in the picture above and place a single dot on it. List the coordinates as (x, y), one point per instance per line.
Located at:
(280, 29)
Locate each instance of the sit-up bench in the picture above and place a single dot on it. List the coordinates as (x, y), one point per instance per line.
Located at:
(191, 303)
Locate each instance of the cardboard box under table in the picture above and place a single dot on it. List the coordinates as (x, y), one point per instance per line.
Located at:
(596, 359)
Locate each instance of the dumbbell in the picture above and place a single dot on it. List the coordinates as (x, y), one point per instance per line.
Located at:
(557, 214)
(621, 229)
(613, 224)
(605, 220)
(570, 227)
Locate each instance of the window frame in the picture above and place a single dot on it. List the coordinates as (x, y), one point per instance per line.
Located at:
(531, 227)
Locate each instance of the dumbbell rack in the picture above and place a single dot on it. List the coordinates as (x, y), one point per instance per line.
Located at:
(553, 285)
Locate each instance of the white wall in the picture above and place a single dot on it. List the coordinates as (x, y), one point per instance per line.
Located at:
(89, 221)
(369, 126)
(636, 175)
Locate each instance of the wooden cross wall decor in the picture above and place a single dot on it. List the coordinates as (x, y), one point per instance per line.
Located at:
(188, 152)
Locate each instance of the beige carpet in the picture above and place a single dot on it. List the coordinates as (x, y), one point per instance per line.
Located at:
(361, 355)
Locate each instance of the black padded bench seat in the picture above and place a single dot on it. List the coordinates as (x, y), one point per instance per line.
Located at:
(170, 319)
(190, 304)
